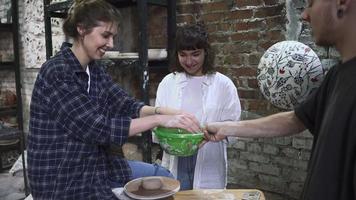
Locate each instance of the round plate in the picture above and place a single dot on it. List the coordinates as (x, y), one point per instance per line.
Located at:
(135, 190)
(288, 72)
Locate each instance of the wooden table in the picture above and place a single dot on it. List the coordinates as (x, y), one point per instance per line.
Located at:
(213, 194)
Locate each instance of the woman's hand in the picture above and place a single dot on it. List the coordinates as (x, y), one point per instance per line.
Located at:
(184, 121)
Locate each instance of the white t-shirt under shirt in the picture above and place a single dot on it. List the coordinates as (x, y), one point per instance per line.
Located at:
(88, 72)
(193, 95)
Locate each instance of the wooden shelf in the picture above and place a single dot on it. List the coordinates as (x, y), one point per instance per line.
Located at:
(157, 59)
(12, 29)
(9, 134)
(7, 66)
(53, 8)
(125, 3)
(158, 65)
(6, 27)
(8, 111)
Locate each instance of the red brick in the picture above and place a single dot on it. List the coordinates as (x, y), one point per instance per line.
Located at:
(223, 70)
(232, 60)
(267, 44)
(276, 21)
(269, 11)
(271, 2)
(257, 105)
(185, 18)
(248, 94)
(219, 38)
(244, 48)
(227, 48)
(238, 82)
(211, 28)
(275, 35)
(254, 59)
(218, 61)
(224, 27)
(242, 26)
(213, 17)
(245, 71)
(252, 83)
(189, 8)
(215, 6)
(243, 3)
(238, 48)
(244, 36)
(240, 14)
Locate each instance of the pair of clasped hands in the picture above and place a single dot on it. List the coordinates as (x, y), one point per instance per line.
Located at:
(212, 131)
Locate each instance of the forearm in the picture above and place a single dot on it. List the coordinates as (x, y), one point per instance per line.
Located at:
(187, 122)
(143, 124)
(281, 124)
(150, 110)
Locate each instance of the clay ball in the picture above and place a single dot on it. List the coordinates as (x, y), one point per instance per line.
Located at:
(151, 184)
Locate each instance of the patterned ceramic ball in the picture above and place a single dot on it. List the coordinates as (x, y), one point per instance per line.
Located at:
(288, 72)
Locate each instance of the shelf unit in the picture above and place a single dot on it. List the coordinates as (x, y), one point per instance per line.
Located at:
(58, 10)
(13, 138)
(12, 28)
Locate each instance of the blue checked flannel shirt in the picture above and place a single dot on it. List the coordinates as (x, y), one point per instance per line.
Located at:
(71, 131)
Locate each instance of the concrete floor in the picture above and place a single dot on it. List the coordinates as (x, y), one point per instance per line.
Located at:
(11, 187)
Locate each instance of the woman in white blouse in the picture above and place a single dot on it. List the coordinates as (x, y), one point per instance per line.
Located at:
(195, 87)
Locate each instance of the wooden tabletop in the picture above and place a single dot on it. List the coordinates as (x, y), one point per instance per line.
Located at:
(213, 194)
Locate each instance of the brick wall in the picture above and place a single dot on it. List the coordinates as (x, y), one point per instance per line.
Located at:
(240, 32)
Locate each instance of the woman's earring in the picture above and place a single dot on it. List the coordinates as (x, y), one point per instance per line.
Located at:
(340, 13)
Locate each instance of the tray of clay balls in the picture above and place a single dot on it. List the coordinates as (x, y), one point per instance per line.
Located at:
(151, 187)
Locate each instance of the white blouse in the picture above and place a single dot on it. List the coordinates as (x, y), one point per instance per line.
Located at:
(220, 102)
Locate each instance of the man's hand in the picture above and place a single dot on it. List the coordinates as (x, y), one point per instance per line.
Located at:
(216, 131)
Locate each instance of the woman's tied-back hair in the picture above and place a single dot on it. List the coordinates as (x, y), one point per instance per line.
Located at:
(192, 37)
(87, 13)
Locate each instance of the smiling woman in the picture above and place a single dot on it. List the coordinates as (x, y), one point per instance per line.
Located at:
(92, 29)
(195, 86)
(80, 118)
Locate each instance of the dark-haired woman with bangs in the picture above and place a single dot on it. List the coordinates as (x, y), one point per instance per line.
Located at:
(195, 87)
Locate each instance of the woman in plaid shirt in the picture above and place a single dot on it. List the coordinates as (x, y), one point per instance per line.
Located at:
(77, 113)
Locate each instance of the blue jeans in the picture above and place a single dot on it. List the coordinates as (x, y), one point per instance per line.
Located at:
(186, 168)
(141, 169)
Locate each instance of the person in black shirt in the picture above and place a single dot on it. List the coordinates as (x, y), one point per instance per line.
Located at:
(329, 113)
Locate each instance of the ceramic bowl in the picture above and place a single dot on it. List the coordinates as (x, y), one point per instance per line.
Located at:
(177, 141)
(288, 73)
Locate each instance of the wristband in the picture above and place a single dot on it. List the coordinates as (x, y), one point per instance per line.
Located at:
(156, 111)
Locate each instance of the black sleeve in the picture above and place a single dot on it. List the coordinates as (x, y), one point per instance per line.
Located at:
(306, 111)
(311, 111)
(354, 182)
